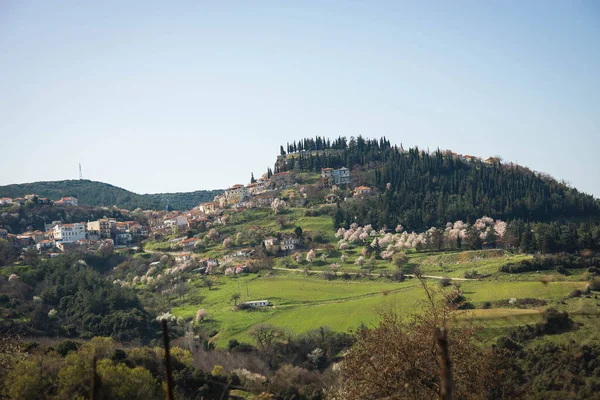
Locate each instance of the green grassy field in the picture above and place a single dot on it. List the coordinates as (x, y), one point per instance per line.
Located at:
(302, 303)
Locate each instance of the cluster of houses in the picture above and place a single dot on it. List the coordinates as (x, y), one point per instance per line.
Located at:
(240, 195)
(59, 236)
(65, 201)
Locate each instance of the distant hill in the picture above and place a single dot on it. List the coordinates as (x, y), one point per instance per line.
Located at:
(103, 194)
(183, 200)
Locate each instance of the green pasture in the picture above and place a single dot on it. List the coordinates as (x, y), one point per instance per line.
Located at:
(302, 303)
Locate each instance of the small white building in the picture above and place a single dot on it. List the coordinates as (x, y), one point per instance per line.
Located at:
(290, 243)
(258, 303)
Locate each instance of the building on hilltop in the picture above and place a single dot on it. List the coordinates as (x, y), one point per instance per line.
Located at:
(492, 161)
(330, 176)
(469, 158)
(67, 201)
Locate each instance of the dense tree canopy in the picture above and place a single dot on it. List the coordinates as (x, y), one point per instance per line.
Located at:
(102, 194)
(65, 296)
(422, 189)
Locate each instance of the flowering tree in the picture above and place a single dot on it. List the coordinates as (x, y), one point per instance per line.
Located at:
(212, 234)
(200, 315)
(360, 261)
(278, 205)
(310, 256)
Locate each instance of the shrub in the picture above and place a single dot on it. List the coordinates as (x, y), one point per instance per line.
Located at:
(218, 370)
(444, 282)
(562, 270)
(594, 285)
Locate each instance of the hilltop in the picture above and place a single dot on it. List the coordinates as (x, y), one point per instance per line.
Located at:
(420, 189)
(94, 193)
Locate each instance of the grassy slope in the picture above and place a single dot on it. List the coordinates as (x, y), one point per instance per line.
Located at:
(302, 303)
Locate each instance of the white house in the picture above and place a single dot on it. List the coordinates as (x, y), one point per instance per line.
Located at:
(258, 303)
(5, 201)
(69, 232)
(178, 222)
(330, 176)
(290, 243)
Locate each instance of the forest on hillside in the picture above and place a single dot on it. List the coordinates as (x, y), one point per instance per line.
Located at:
(421, 189)
(183, 200)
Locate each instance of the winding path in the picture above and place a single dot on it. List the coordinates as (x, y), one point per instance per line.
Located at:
(374, 274)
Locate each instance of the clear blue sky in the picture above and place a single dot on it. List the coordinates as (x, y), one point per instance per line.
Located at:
(158, 96)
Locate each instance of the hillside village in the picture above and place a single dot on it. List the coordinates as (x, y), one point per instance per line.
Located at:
(270, 191)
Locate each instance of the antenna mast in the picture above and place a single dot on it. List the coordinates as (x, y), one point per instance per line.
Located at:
(80, 173)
